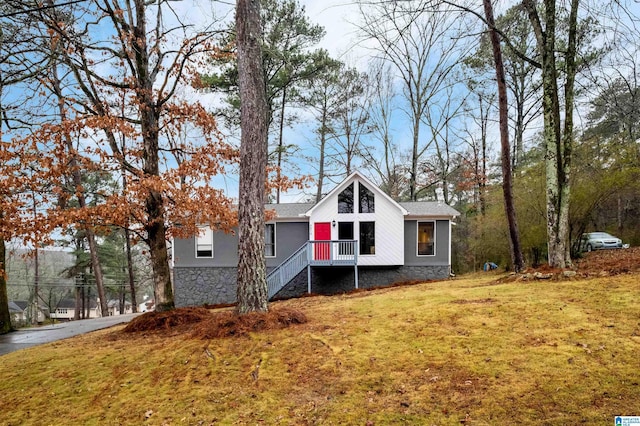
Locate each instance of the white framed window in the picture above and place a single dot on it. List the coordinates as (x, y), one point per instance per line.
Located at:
(270, 240)
(367, 238)
(426, 238)
(204, 242)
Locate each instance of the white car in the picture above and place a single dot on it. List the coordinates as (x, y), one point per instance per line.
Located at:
(599, 240)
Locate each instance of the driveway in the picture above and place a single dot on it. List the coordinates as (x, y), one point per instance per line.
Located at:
(28, 337)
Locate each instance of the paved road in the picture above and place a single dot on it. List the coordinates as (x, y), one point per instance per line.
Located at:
(36, 336)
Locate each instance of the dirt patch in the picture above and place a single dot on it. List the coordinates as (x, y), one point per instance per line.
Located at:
(476, 301)
(202, 323)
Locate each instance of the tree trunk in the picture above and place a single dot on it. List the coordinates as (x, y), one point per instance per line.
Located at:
(155, 228)
(5, 315)
(280, 144)
(36, 282)
(517, 259)
(323, 143)
(413, 173)
(132, 283)
(252, 283)
(558, 147)
(77, 313)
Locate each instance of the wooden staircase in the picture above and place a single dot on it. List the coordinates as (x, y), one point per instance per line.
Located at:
(313, 253)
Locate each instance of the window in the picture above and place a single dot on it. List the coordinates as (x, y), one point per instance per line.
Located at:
(204, 242)
(366, 200)
(345, 232)
(270, 240)
(367, 238)
(426, 238)
(345, 200)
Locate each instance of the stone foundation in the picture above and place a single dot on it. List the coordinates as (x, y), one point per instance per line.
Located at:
(196, 286)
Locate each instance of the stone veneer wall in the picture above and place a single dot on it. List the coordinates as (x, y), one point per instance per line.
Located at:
(195, 286)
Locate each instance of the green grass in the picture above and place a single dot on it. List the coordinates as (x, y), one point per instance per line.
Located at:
(468, 350)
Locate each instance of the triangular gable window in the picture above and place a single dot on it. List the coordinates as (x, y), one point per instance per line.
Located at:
(366, 200)
(345, 200)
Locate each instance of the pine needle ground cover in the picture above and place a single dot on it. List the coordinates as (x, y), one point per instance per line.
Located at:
(468, 351)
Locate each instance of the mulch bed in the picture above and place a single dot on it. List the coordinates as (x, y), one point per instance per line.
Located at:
(202, 323)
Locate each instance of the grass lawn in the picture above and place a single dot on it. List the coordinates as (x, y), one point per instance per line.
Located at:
(467, 351)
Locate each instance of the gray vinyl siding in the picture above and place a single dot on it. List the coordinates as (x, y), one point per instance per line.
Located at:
(289, 237)
(411, 257)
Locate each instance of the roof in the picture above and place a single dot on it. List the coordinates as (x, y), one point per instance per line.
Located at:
(22, 304)
(429, 208)
(290, 210)
(14, 307)
(412, 208)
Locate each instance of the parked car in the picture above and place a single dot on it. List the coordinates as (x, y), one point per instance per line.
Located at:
(599, 240)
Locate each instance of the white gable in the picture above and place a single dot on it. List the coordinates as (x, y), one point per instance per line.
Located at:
(387, 218)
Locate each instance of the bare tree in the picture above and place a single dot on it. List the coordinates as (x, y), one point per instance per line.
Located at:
(421, 43)
(319, 95)
(382, 157)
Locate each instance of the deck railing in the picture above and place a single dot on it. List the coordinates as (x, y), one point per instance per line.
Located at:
(334, 252)
(312, 253)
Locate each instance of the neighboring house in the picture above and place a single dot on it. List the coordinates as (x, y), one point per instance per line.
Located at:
(147, 306)
(20, 313)
(65, 310)
(114, 307)
(355, 237)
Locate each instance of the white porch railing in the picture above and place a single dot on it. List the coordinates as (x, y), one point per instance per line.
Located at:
(313, 253)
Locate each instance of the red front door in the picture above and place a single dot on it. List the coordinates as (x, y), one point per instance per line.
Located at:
(321, 232)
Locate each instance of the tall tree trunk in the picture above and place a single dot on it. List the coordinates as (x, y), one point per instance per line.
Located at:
(77, 313)
(132, 283)
(413, 173)
(5, 315)
(323, 144)
(507, 187)
(36, 283)
(558, 147)
(252, 282)
(154, 227)
(567, 134)
(280, 143)
(127, 240)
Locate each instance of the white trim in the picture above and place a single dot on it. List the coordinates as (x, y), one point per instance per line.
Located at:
(275, 245)
(207, 230)
(173, 253)
(418, 222)
(450, 247)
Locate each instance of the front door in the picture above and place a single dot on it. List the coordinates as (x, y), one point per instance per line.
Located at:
(322, 232)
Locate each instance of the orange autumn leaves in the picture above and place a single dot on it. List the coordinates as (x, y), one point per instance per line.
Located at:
(37, 195)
